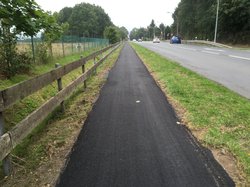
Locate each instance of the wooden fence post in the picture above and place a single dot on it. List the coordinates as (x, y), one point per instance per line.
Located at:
(7, 160)
(59, 84)
(83, 71)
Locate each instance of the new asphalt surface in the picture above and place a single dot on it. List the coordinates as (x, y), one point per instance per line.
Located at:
(229, 67)
(131, 138)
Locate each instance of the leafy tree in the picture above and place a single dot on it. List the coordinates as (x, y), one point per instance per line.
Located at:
(234, 20)
(16, 17)
(133, 34)
(53, 31)
(64, 15)
(112, 34)
(152, 29)
(123, 33)
(167, 32)
(85, 20)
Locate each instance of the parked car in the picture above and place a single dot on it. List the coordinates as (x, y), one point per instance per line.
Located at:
(156, 40)
(175, 40)
(134, 40)
(139, 40)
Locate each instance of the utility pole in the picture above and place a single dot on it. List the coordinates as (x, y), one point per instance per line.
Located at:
(216, 21)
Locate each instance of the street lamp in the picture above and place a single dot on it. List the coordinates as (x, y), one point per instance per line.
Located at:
(216, 21)
(177, 29)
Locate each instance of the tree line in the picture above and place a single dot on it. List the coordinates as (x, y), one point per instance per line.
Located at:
(197, 19)
(151, 31)
(25, 17)
(87, 20)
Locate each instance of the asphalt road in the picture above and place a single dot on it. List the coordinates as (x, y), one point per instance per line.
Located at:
(131, 138)
(229, 67)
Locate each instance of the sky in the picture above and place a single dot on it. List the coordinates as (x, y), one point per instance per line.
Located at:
(127, 13)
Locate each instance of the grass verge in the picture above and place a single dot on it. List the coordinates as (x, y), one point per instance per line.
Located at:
(39, 69)
(38, 159)
(220, 116)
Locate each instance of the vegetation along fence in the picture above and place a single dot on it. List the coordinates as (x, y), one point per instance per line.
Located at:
(68, 45)
(11, 95)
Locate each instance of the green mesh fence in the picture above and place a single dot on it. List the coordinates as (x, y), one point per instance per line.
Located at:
(68, 45)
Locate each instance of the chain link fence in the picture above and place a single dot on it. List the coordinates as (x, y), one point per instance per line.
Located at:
(68, 45)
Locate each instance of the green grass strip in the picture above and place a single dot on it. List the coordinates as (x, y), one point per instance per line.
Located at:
(39, 69)
(223, 115)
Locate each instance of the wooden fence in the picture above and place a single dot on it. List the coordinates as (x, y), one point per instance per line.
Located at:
(11, 95)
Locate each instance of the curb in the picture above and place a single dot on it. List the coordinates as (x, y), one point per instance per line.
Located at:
(207, 43)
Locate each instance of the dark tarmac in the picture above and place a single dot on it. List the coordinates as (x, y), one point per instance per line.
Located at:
(131, 138)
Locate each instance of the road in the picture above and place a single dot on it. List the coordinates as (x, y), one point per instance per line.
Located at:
(228, 67)
(132, 139)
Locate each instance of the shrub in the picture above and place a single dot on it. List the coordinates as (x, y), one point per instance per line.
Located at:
(20, 63)
(42, 55)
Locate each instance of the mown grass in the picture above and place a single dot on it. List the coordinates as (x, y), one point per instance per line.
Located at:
(39, 69)
(20, 110)
(221, 114)
(29, 149)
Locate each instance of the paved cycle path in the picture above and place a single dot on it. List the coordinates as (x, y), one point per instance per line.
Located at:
(131, 138)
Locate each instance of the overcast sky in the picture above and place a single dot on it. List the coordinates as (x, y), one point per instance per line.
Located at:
(127, 13)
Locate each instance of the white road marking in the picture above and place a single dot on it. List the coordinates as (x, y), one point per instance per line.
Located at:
(210, 49)
(240, 57)
(210, 52)
(187, 48)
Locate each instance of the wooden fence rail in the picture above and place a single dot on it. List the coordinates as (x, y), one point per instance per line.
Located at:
(15, 93)
(9, 140)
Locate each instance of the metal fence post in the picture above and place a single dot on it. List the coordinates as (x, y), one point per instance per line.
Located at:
(84, 45)
(63, 48)
(83, 71)
(7, 160)
(94, 64)
(59, 84)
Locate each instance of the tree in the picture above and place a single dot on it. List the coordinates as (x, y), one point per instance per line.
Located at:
(123, 33)
(53, 31)
(85, 20)
(28, 18)
(152, 29)
(234, 21)
(133, 34)
(64, 15)
(112, 34)
(167, 32)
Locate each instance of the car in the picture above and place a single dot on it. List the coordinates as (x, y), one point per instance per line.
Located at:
(156, 40)
(175, 40)
(139, 40)
(134, 40)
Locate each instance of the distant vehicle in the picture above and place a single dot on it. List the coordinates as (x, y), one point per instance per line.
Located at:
(175, 40)
(156, 40)
(134, 40)
(139, 40)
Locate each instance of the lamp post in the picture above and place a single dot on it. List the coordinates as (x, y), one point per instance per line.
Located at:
(216, 21)
(177, 23)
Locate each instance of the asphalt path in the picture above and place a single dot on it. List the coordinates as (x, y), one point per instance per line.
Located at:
(132, 138)
(229, 67)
